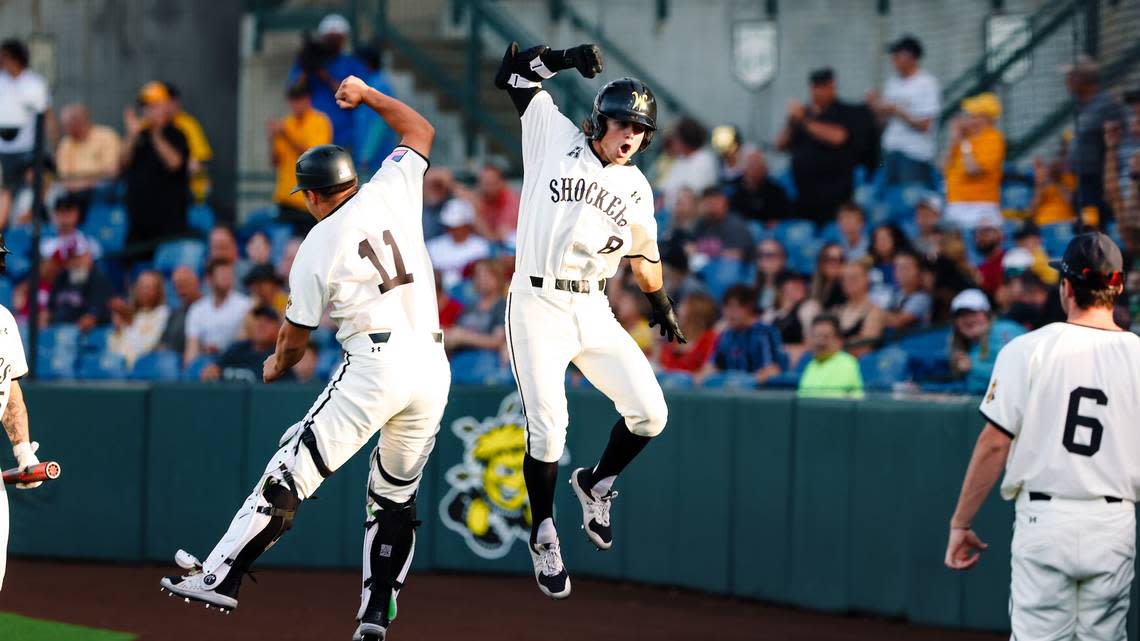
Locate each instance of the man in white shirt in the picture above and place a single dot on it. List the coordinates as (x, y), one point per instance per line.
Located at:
(214, 321)
(30, 93)
(910, 107)
(694, 165)
(460, 246)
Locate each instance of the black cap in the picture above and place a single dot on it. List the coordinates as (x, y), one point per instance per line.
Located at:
(68, 200)
(297, 90)
(1092, 259)
(821, 76)
(265, 311)
(906, 43)
(324, 166)
(261, 273)
(1026, 230)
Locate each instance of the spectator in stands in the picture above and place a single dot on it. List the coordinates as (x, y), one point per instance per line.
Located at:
(242, 361)
(731, 151)
(266, 288)
(633, 316)
(910, 306)
(452, 252)
(976, 339)
(825, 284)
(214, 321)
(374, 138)
(28, 89)
(853, 236)
(286, 263)
(497, 207)
(793, 313)
(1028, 237)
(258, 250)
(770, 263)
(1052, 192)
(861, 321)
(200, 151)
(306, 369)
(188, 290)
(140, 322)
(745, 344)
(697, 313)
(683, 218)
(832, 372)
(720, 233)
(694, 165)
(1096, 107)
(449, 309)
(1122, 164)
(65, 216)
(88, 154)
(988, 238)
(755, 196)
(154, 164)
(18, 208)
(222, 245)
(910, 108)
(439, 186)
(289, 137)
(887, 242)
(321, 65)
(482, 324)
(952, 270)
(1028, 301)
(819, 139)
(927, 213)
(974, 160)
(81, 291)
(675, 268)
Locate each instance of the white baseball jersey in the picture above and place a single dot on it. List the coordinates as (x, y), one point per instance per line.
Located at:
(1069, 395)
(577, 216)
(367, 258)
(13, 364)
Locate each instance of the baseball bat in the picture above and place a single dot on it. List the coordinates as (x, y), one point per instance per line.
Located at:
(46, 471)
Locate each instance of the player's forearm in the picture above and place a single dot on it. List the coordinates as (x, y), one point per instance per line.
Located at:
(16, 415)
(415, 131)
(648, 274)
(291, 343)
(985, 469)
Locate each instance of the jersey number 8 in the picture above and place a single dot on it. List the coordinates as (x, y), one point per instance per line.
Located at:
(387, 282)
(1073, 419)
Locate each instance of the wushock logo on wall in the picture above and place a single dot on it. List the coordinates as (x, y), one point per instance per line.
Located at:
(486, 502)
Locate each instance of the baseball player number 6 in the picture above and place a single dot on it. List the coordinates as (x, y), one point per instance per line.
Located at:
(1073, 419)
(387, 283)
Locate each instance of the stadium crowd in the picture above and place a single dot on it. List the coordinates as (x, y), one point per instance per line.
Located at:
(880, 259)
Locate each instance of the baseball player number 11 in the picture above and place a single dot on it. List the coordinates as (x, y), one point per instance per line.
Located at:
(387, 283)
(1073, 419)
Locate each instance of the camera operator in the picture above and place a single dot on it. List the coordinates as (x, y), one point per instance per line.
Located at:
(322, 64)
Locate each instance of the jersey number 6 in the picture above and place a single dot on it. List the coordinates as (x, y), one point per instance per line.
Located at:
(387, 282)
(1074, 419)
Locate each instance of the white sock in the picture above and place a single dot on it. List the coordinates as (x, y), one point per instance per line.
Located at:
(546, 532)
(602, 485)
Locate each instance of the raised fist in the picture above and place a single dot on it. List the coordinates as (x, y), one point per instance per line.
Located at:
(587, 59)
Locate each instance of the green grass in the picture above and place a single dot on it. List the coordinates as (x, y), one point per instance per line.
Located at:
(14, 627)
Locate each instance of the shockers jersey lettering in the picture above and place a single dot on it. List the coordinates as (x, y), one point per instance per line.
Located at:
(578, 217)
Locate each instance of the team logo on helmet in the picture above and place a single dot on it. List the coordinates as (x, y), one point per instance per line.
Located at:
(640, 101)
(486, 502)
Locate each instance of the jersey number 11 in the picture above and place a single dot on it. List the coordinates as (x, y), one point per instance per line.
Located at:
(387, 282)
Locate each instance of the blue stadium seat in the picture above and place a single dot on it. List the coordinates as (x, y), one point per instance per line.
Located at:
(1016, 195)
(102, 365)
(790, 378)
(864, 195)
(784, 180)
(721, 273)
(793, 232)
(95, 340)
(63, 337)
(758, 230)
(107, 223)
(6, 293)
(878, 214)
(324, 337)
(257, 219)
(159, 365)
(801, 257)
(279, 236)
(201, 218)
(176, 253)
(830, 232)
(328, 359)
(475, 366)
(193, 371)
(932, 341)
(675, 380)
(464, 292)
(883, 368)
(18, 240)
(730, 381)
(1056, 237)
(55, 365)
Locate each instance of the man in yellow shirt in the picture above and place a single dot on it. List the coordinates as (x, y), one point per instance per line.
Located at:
(832, 372)
(976, 152)
(200, 150)
(289, 137)
(88, 154)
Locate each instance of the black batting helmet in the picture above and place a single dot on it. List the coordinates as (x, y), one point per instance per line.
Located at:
(625, 100)
(324, 166)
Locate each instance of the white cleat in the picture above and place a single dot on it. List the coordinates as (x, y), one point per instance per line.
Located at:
(553, 580)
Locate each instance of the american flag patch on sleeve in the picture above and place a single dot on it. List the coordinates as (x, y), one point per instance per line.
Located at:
(398, 155)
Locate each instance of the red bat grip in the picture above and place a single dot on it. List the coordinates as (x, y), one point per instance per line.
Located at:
(45, 471)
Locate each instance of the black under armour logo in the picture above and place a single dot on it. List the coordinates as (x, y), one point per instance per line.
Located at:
(574, 153)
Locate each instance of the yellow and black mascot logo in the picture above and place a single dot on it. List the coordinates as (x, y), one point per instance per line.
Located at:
(486, 502)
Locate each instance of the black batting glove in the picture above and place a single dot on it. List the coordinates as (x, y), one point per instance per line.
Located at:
(516, 62)
(664, 316)
(587, 59)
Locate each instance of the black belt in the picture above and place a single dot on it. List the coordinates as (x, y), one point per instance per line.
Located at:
(382, 337)
(1041, 496)
(575, 286)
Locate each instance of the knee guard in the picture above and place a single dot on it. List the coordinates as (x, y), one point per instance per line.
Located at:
(389, 545)
(264, 517)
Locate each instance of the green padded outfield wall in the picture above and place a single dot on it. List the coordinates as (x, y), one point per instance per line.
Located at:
(831, 505)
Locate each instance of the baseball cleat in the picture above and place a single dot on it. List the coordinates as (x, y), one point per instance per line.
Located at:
(373, 626)
(197, 586)
(551, 575)
(595, 512)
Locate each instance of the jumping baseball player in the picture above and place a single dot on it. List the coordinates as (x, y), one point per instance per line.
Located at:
(367, 260)
(14, 413)
(583, 208)
(1060, 416)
